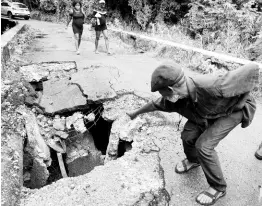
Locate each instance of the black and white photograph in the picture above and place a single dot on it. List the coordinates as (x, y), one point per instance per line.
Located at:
(131, 102)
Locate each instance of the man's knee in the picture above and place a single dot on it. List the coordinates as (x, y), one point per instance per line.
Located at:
(106, 38)
(185, 136)
(203, 148)
(97, 38)
(190, 133)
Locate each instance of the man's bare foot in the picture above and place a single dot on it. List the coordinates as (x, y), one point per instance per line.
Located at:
(209, 197)
(97, 52)
(185, 166)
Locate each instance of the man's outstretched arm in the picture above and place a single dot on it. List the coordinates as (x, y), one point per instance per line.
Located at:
(149, 107)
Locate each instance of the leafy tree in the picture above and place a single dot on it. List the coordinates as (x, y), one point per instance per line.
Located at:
(142, 11)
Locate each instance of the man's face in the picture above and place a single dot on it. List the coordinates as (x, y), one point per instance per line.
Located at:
(165, 92)
(169, 94)
(173, 93)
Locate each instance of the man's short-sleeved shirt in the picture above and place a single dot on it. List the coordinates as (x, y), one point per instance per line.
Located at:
(211, 97)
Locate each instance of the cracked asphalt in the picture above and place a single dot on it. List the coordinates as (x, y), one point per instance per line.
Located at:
(242, 170)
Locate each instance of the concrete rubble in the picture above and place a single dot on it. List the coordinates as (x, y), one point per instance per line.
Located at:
(71, 91)
(88, 80)
(136, 178)
(59, 124)
(77, 121)
(82, 155)
(122, 129)
(38, 150)
(120, 105)
(47, 70)
(59, 96)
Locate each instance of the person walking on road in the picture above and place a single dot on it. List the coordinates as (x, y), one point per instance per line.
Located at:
(78, 16)
(214, 106)
(99, 15)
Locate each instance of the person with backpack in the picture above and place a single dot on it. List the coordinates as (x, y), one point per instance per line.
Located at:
(99, 21)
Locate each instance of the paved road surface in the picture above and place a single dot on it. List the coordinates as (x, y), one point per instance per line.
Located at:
(242, 171)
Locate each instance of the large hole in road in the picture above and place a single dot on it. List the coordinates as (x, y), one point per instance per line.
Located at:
(99, 128)
(54, 169)
(78, 141)
(83, 159)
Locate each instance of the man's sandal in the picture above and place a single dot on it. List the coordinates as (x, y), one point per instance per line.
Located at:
(186, 169)
(214, 197)
(258, 153)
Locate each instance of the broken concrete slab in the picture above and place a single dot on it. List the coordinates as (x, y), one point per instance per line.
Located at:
(120, 105)
(97, 82)
(60, 96)
(127, 129)
(37, 148)
(90, 117)
(59, 123)
(82, 155)
(39, 174)
(46, 128)
(135, 179)
(57, 144)
(47, 70)
(77, 121)
(36, 144)
(122, 129)
(61, 134)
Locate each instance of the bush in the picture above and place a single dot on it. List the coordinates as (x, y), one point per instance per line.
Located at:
(220, 22)
(172, 11)
(48, 6)
(142, 12)
(42, 16)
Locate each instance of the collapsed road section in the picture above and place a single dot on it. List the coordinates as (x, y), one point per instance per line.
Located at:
(76, 130)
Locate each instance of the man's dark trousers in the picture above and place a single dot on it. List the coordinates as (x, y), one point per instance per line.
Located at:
(199, 144)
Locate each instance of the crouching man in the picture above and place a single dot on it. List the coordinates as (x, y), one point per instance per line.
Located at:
(213, 105)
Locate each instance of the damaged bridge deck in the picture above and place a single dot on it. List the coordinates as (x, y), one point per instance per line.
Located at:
(96, 86)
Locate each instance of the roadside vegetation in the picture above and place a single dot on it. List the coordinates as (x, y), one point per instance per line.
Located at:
(217, 25)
